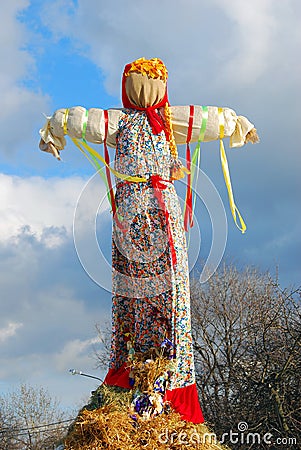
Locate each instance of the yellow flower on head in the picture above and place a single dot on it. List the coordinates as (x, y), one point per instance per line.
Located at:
(153, 68)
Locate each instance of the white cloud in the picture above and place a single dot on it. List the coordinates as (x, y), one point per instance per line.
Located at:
(20, 106)
(253, 30)
(76, 354)
(45, 289)
(40, 207)
(221, 43)
(258, 37)
(9, 330)
(15, 68)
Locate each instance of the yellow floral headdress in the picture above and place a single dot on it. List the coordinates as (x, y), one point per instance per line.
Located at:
(154, 68)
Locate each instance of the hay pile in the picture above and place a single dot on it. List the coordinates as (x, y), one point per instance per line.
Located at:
(122, 419)
(112, 427)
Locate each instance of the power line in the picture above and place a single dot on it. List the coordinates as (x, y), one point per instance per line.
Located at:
(15, 436)
(7, 429)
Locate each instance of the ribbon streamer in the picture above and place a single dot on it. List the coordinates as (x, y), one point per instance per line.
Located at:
(196, 157)
(192, 165)
(188, 216)
(158, 185)
(234, 210)
(84, 146)
(94, 157)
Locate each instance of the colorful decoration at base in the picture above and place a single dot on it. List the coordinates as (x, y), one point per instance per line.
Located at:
(150, 402)
(150, 378)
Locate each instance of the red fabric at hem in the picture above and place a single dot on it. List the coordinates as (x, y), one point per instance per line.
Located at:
(118, 377)
(183, 400)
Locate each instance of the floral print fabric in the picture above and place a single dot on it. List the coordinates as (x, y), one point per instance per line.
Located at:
(151, 299)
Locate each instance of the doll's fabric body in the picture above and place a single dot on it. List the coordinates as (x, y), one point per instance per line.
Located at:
(150, 276)
(151, 301)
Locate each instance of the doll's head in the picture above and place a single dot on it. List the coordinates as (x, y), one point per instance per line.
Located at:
(144, 83)
(144, 87)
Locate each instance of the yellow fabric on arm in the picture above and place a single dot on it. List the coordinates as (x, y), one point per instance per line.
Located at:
(234, 210)
(65, 119)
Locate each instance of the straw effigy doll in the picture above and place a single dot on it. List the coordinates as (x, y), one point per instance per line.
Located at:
(151, 299)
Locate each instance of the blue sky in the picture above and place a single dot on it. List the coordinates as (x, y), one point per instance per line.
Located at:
(66, 53)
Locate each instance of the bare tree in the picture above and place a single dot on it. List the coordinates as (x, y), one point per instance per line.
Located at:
(247, 340)
(31, 419)
(247, 347)
(102, 355)
(7, 426)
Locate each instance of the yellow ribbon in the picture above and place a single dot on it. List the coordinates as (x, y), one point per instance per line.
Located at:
(65, 119)
(91, 151)
(234, 210)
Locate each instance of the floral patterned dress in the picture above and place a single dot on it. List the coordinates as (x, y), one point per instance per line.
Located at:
(151, 299)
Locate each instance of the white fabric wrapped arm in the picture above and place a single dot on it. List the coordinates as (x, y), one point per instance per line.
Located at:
(53, 130)
(235, 127)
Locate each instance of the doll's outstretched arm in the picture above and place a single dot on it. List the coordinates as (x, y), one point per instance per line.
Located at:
(209, 123)
(78, 122)
(209, 119)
